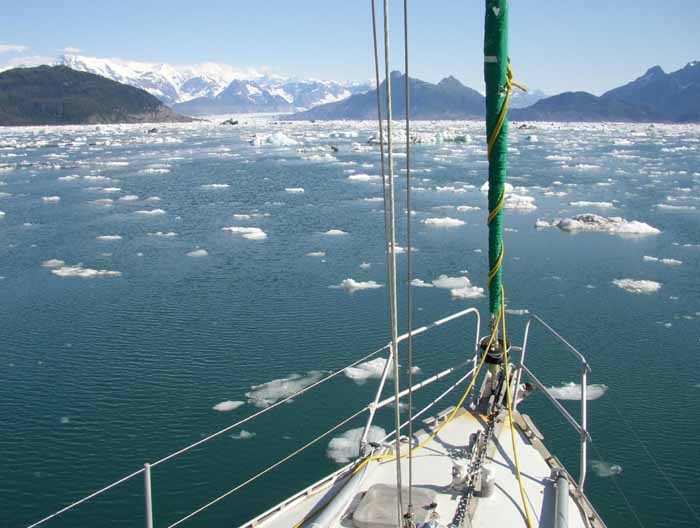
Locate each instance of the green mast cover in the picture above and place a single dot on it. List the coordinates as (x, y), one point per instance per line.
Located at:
(496, 77)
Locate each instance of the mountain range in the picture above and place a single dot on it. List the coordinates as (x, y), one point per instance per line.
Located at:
(655, 96)
(58, 95)
(211, 88)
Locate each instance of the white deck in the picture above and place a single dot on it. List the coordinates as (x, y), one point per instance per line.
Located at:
(432, 470)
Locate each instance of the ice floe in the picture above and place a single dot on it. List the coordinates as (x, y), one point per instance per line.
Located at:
(196, 253)
(294, 190)
(150, 212)
(266, 394)
(367, 370)
(443, 222)
(335, 232)
(249, 233)
(227, 405)
(600, 205)
(346, 447)
(365, 265)
(520, 202)
(363, 178)
(637, 286)
(215, 186)
(78, 271)
(109, 238)
(128, 198)
(105, 202)
(667, 261)
(669, 207)
(278, 139)
(242, 435)
(351, 285)
(572, 391)
(596, 223)
(420, 283)
(164, 234)
(316, 254)
(50, 199)
(53, 263)
(605, 469)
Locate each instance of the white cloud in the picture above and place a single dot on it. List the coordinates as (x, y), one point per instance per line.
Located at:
(13, 48)
(26, 61)
(71, 49)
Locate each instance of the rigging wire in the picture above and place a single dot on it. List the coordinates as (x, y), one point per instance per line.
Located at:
(409, 257)
(391, 259)
(630, 508)
(656, 463)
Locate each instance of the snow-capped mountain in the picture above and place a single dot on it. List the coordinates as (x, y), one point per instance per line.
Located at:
(216, 88)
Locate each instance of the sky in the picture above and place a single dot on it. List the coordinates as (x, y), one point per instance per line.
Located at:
(555, 45)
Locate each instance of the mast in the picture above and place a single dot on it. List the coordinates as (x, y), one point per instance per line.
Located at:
(497, 80)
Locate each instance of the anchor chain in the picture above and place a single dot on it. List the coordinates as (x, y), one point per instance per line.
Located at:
(476, 462)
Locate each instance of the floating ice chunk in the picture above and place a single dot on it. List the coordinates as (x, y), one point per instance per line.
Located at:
(351, 285)
(266, 394)
(153, 199)
(150, 212)
(449, 283)
(109, 238)
(242, 435)
(227, 405)
(335, 232)
(198, 253)
(5, 195)
(466, 208)
(667, 261)
(584, 203)
(595, 223)
(367, 370)
(110, 190)
(163, 234)
(241, 216)
(558, 157)
(572, 391)
(365, 265)
(214, 186)
(278, 139)
(105, 202)
(155, 170)
(2, 214)
(294, 190)
(128, 198)
(363, 178)
(316, 254)
(485, 187)
(84, 273)
(420, 283)
(468, 292)
(443, 222)
(373, 199)
(70, 177)
(637, 286)
(250, 233)
(585, 166)
(520, 202)
(50, 199)
(669, 207)
(53, 263)
(346, 447)
(522, 311)
(605, 469)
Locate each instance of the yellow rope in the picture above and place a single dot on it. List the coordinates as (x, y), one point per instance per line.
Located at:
(491, 142)
(449, 419)
(510, 412)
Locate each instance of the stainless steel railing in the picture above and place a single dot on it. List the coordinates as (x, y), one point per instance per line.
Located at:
(580, 428)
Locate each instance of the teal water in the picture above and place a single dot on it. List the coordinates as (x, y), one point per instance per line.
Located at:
(99, 375)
